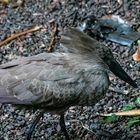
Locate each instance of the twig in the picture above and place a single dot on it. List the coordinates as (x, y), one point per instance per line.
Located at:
(116, 90)
(14, 36)
(135, 92)
(83, 126)
(75, 12)
(53, 38)
(135, 112)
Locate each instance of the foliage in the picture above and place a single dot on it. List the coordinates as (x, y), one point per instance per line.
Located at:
(132, 121)
(129, 107)
(5, 1)
(138, 42)
(137, 101)
(111, 119)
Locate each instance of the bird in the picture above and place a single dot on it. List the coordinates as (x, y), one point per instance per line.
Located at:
(53, 82)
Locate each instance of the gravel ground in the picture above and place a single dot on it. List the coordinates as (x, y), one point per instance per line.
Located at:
(15, 122)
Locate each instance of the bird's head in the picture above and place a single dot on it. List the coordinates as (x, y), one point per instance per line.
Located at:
(80, 43)
(108, 58)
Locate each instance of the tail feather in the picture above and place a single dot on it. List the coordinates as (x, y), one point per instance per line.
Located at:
(9, 100)
(6, 98)
(13, 100)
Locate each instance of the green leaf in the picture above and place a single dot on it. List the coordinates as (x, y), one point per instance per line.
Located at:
(128, 107)
(111, 119)
(138, 42)
(132, 121)
(6, 1)
(137, 101)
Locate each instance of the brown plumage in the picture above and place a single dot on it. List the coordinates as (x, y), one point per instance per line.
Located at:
(55, 81)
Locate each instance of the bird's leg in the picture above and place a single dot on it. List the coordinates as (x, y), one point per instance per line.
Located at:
(32, 127)
(63, 127)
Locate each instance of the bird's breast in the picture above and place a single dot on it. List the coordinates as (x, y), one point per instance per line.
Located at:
(97, 84)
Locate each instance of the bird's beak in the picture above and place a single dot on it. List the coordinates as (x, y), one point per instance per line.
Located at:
(115, 67)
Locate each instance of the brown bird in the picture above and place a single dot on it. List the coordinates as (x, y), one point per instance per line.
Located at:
(55, 81)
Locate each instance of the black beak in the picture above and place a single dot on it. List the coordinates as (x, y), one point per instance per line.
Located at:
(115, 67)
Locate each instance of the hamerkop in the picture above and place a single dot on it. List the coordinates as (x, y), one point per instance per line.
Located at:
(55, 81)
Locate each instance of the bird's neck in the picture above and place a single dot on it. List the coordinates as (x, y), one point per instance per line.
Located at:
(90, 61)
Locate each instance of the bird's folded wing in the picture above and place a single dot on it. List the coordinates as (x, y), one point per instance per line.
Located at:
(38, 82)
(27, 60)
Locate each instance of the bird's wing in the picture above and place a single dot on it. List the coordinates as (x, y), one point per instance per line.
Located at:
(26, 60)
(78, 42)
(39, 79)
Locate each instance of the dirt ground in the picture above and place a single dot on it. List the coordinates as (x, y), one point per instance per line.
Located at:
(53, 16)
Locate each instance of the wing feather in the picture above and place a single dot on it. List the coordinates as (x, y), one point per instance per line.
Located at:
(37, 80)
